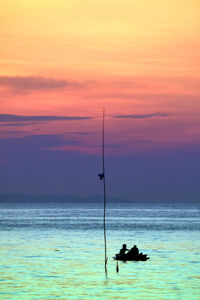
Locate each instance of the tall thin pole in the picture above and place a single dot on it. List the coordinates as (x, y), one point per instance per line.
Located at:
(104, 187)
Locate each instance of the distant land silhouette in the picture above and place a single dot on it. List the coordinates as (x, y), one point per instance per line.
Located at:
(30, 198)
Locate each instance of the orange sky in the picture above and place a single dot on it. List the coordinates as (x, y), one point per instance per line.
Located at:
(137, 57)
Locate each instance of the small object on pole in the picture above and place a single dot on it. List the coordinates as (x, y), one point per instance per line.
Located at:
(101, 176)
(117, 267)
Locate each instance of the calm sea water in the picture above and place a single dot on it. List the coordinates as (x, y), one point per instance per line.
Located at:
(56, 251)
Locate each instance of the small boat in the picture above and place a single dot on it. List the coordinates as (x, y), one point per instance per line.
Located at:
(139, 257)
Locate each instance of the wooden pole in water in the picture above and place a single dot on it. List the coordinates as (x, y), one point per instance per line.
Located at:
(104, 187)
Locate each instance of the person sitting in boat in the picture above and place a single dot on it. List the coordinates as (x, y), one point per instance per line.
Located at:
(123, 250)
(134, 252)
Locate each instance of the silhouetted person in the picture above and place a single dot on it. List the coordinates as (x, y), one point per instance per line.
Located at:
(123, 250)
(134, 252)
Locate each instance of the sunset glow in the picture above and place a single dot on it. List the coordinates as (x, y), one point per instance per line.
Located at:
(139, 59)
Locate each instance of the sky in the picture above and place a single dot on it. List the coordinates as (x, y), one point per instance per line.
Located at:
(62, 61)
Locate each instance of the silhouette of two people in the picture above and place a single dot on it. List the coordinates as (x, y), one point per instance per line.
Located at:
(133, 254)
(126, 253)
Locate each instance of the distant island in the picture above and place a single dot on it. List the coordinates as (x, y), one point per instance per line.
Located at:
(31, 198)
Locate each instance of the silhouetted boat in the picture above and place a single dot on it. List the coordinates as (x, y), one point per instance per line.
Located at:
(126, 257)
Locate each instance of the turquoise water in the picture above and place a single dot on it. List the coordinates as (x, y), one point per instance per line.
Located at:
(55, 251)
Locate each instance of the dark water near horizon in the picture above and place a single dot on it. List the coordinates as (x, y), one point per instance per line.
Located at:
(56, 251)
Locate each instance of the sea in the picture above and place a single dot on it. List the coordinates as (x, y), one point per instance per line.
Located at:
(56, 251)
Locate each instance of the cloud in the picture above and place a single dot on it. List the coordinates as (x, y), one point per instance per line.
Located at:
(81, 133)
(16, 118)
(16, 124)
(16, 131)
(144, 96)
(142, 116)
(34, 142)
(21, 84)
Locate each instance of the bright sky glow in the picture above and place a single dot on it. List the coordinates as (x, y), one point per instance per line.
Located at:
(138, 58)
